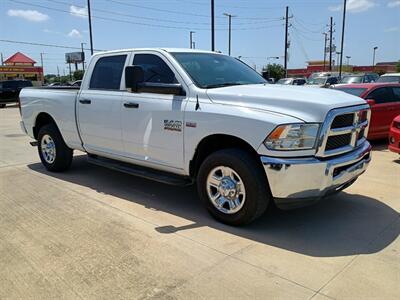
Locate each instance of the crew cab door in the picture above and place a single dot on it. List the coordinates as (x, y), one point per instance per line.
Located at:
(152, 123)
(99, 106)
(386, 107)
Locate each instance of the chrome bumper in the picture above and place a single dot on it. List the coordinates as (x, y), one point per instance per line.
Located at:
(298, 181)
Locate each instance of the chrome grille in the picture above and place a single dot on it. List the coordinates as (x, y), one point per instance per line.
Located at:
(344, 130)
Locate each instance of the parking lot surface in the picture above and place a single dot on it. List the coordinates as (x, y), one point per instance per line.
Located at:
(96, 233)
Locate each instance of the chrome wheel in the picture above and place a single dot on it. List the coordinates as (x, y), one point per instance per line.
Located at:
(226, 190)
(48, 148)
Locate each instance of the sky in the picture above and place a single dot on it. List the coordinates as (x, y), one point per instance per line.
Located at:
(257, 28)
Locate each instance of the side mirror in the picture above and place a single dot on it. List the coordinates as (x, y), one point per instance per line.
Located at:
(371, 102)
(133, 76)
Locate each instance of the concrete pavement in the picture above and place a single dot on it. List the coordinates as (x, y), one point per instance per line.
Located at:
(98, 234)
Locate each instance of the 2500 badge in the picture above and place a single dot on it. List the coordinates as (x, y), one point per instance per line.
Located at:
(172, 125)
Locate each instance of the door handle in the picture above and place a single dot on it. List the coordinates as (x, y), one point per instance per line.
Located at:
(131, 105)
(85, 101)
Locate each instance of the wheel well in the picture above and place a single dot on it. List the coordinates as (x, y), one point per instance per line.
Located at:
(41, 120)
(215, 143)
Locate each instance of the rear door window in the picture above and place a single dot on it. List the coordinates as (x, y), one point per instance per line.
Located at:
(107, 73)
(396, 94)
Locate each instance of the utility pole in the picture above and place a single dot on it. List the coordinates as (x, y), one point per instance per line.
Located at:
(83, 56)
(326, 39)
(2, 61)
(286, 39)
(330, 44)
(191, 39)
(212, 27)
(373, 58)
(90, 27)
(230, 31)
(342, 42)
(70, 72)
(58, 74)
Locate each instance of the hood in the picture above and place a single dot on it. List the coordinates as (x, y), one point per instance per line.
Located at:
(309, 105)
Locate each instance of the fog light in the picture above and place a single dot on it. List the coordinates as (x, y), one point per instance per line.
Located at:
(392, 140)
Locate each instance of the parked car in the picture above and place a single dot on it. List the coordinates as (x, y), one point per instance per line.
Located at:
(384, 99)
(182, 116)
(76, 83)
(394, 135)
(10, 89)
(322, 81)
(292, 81)
(359, 78)
(390, 77)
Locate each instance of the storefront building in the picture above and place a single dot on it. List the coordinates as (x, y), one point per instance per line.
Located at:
(20, 66)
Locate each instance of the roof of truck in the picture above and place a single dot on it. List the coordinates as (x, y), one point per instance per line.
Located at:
(170, 50)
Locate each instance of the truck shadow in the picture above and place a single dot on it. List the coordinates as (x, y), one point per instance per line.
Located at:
(344, 224)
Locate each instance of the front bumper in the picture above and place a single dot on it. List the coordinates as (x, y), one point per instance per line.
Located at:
(296, 182)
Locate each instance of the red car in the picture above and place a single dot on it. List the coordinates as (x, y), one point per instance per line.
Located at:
(394, 135)
(384, 99)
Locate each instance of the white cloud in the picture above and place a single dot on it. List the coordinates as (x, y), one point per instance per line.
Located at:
(78, 11)
(355, 6)
(392, 29)
(393, 4)
(30, 15)
(74, 33)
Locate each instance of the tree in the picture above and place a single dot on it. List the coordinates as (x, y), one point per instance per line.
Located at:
(78, 74)
(275, 71)
(398, 66)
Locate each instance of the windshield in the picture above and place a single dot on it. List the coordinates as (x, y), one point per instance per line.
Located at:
(284, 81)
(351, 79)
(317, 80)
(209, 70)
(389, 79)
(352, 91)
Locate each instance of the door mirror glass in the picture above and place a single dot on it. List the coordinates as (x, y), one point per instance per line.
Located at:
(134, 75)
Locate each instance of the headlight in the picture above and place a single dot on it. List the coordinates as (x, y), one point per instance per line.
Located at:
(292, 137)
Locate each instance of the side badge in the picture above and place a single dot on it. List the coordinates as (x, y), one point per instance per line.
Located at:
(172, 125)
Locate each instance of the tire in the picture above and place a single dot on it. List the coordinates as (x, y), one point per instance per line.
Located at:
(50, 138)
(247, 172)
(2, 105)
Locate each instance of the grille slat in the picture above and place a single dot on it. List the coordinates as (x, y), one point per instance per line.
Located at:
(343, 121)
(338, 141)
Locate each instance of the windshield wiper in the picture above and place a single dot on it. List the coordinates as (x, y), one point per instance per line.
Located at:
(217, 85)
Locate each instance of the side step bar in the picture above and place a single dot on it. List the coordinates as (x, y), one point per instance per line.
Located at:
(159, 176)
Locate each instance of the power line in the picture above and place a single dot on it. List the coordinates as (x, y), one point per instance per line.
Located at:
(137, 23)
(46, 45)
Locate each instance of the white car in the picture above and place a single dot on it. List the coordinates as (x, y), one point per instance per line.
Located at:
(389, 77)
(184, 116)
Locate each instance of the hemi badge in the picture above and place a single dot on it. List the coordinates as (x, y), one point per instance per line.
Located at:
(191, 124)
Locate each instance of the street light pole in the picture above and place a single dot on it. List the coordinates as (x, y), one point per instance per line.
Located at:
(83, 56)
(90, 27)
(373, 58)
(230, 31)
(212, 27)
(348, 60)
(191, 39)
(342, 42)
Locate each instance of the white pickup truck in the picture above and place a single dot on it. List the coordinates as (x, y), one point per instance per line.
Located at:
(185, 116)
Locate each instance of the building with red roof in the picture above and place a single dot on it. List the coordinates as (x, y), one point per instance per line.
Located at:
(20, 66)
